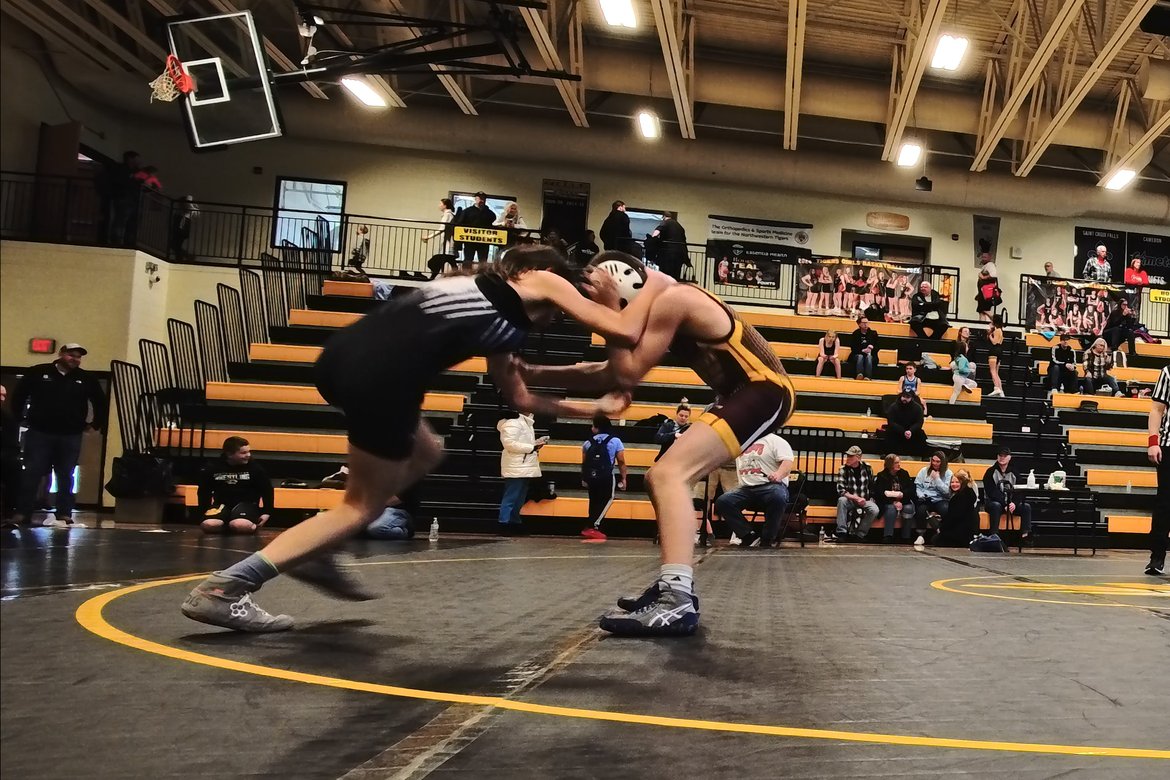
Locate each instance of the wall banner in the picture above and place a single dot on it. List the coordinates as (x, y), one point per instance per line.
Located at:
(1067, 306)
(985, 234)
(751, 264)
(839, 286)
(762, 231)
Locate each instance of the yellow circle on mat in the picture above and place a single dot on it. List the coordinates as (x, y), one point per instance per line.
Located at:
(90, 616)
(1103, 592)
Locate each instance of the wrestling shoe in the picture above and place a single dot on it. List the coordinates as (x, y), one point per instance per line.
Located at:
(648, 596)
(673, 613)
(227, 602)
(326, 573)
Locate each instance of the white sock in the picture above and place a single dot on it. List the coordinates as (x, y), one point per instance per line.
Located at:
(679, 576)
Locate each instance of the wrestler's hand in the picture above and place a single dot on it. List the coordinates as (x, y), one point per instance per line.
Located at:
(600, 286)
(613, 404)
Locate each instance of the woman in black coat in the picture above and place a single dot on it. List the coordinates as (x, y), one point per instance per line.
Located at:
(961, 523)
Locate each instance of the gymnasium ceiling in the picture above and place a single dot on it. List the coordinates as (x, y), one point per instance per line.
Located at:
(1048, 87)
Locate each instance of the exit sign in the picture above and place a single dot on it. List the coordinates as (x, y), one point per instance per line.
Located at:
(42, 346)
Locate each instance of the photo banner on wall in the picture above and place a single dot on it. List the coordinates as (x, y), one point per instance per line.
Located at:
(760, 231)
(751, 264)
(1154, 253)
(839, 286)
(1066, 306)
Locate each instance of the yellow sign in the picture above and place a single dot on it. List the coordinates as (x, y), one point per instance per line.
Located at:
(1159, 296)
(481, 235)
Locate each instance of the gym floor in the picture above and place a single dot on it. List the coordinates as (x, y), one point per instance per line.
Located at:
(483, 660)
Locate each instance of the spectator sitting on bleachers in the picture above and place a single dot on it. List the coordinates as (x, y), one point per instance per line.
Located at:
(928, 312)
(910, 384)
(962, 374)
(855, 496)
(962, 342)
(672, 429)
(904, 421)
(960, 521)
(1098, 364)
(827, 348)
(865, 346)
(235, 493)
(1121, 327)
(999, 484)
(1062, 367)
(933, 488)
(893, 490)
(397, 521)
(763, 486)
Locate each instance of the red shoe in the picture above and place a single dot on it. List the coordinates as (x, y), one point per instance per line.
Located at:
(593, 535)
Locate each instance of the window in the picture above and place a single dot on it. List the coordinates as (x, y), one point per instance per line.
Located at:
(309, 213)
(494, 202)
(643, 221)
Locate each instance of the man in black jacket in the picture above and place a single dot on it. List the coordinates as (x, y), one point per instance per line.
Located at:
(1062, 369)
(999, 484)
(670, 241)
(1121, 327)
(904, 422)
(928, 311)
(235, 494)
(58, 396)
(864, 348)
(477, 215)
(615, 230)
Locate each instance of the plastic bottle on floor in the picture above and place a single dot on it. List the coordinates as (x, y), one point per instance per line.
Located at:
(434, 535)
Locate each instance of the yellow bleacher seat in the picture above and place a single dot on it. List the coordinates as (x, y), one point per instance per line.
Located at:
(306, 394)
(1121, 374)
(1104, 403)
(1154, 350)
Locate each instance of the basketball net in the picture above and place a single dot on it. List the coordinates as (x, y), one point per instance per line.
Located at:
(173, 81)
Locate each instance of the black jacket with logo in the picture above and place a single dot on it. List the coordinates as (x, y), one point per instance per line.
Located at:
(59, 403)
(223, 484)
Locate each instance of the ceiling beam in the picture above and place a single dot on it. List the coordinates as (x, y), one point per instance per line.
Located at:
(794, 69)
(1160, 126)
(552, 61)
(909, 78)
(1096, 70)
(35, 18)
(1069, 12)
(82, 25)
(127, 26)
(274, 52)
(674, 35)
(449, 83)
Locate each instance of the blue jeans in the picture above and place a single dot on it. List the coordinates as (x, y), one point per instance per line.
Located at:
(515, 494)
(45, 452)
(865, 364)
(890, 518)
(771, 498)
(995, 511)
(1061, 378)
(845, 508)
(1090, 385)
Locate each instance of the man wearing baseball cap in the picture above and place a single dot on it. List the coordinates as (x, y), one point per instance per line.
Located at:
(57, 398)
(854, 496)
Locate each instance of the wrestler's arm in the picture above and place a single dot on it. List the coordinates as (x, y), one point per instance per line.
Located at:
(505, 373)
(628, 365)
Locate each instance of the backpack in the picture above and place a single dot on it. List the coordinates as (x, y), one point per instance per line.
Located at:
(598, 465)
(987, 543)
(140, 475)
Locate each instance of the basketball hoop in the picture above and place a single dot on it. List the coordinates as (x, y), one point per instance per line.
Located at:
(173, 82)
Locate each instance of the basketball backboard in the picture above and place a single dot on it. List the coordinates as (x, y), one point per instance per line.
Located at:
(232, 100)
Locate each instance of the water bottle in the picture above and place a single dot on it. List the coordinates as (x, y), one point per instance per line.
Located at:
(434, 535)
(1128, 486)
(1032, 478)
(868, 412)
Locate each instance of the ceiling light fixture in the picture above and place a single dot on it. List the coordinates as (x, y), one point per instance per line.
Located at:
(1120, 180)
(948, 52)
(648, 125)
(361, 89)
(909, 154)
(619, 13)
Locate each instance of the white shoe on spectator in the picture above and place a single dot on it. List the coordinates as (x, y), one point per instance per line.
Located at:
(58, 523)
(920, 541)
(49, 521)
(996, 393)
(735, 540)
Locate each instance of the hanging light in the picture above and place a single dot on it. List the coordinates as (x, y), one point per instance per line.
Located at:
(648, 124)
(948, 52)
(366, 94)
(909, 154)
(1120, 180)
(619, 13)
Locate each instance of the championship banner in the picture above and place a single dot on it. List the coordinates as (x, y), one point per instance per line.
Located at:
(481, 235)
(761, 231)
(839, 286)
(1064, 306)
(751, 264)
(985, 233)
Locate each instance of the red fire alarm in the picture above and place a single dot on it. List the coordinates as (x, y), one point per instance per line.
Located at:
(42, 346)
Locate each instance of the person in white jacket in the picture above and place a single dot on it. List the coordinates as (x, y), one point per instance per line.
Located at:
(519, 463)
